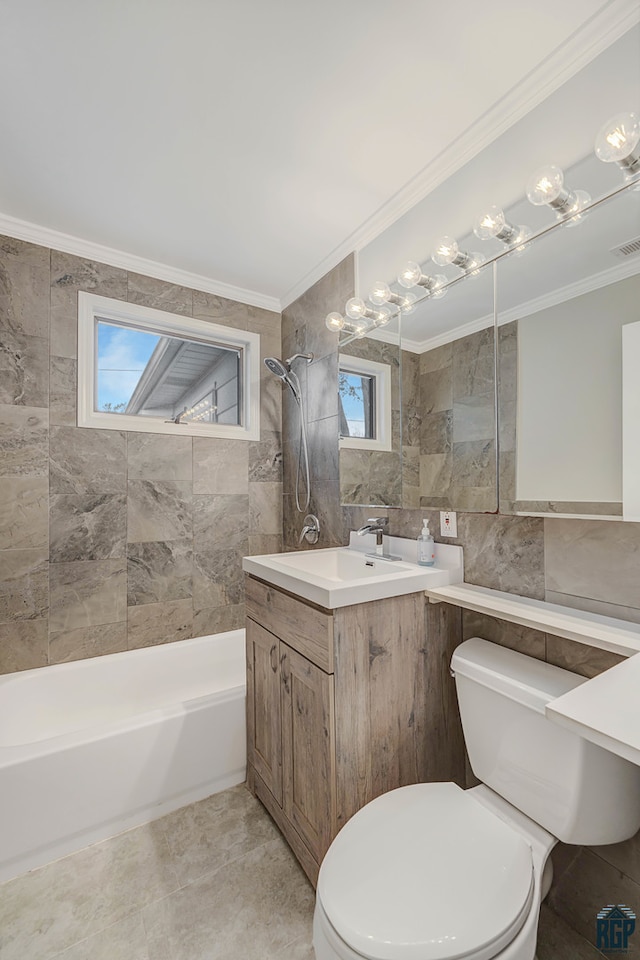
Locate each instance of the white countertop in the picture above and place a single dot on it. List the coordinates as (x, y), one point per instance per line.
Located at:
(606, 709)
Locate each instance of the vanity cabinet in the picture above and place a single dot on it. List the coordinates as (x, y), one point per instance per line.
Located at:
(342, 705)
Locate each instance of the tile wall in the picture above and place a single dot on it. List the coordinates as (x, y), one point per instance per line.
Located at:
(115, 540)
(587, 564)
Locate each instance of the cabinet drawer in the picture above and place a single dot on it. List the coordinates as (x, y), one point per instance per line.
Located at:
(307, 629)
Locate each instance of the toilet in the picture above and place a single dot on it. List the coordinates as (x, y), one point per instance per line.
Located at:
(434, 872)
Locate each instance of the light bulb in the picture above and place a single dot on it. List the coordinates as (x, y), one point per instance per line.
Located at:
(546, 185)
(408, 304)
(490, 224)
(360, 329)
(617, 142)
(334, 321)
(446, 251)
(383, 317)
(410, 274)
(380, 293)
(355, 308)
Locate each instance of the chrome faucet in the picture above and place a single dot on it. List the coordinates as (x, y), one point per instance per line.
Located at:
(378, 526)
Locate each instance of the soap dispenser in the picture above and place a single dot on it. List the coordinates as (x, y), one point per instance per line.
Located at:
(426, 547)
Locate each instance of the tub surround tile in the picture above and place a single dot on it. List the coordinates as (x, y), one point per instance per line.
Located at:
(473, 364)
(322, 402)
(270, 403)
(154, 623)
(87, 527)
(158, 571)
(84, 642)
(24, 288)
(24, 584)
(23, 646)
(153, 456)
(70, 275)
(473, 419)
(261, 544)
(159, 295)
(211, 833)
(265, 507)
(264, 459)
(24, 369)
(214, 918)
(24, 441)
(86, 461)
(24, 508)
(578, 551)
(87, 593)
(158, 510)
(302, 328)
(228, 313)
(51, 909)
(324, 450)
(211, 620)
(220, 466)
(63, 391)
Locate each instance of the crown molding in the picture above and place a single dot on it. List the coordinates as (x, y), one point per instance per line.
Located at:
(46, 237)
(603, 29)
(569, 292)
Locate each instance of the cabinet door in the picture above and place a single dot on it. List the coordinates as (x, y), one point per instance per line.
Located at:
(264, 730)
(308, 750)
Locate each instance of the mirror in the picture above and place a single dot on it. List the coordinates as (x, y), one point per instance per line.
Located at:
(564, 310)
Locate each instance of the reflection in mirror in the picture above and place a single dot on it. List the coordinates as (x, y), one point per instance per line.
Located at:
(449, 401)
(370, 422)
(563, 309)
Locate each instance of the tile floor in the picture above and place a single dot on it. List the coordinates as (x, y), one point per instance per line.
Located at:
(213, 881)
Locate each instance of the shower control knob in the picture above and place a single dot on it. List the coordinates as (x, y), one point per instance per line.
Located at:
(311, 529)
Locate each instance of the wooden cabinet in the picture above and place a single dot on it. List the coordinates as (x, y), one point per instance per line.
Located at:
(341, 707)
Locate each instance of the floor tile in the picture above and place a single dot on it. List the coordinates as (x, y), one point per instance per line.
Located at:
(124, 940)
(557, 941)
(204, 836)
(250, 909)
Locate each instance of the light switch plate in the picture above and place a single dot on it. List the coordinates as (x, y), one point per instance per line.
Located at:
(448, 524)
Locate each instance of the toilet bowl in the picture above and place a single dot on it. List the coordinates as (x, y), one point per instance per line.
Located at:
(434, 872)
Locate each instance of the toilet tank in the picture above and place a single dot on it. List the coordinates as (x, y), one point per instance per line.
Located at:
(576, 790)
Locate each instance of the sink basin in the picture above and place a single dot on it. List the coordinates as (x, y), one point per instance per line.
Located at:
(341, 576)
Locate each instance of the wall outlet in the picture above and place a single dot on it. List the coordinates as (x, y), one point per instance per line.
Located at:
(448, 524)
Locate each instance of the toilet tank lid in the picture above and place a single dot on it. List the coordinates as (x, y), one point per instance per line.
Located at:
(524, 679)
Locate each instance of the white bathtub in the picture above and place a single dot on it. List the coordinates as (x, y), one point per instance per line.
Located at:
(91, 748)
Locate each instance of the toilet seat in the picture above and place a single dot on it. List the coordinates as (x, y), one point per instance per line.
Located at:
(426, 873)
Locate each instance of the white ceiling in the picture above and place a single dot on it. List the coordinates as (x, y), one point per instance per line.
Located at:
(246, 146)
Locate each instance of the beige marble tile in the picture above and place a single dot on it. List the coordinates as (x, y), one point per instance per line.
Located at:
(69, 275)
(87, 593)
(24, 510)
(578, 657)
(209, 620)
(578, 551)
(260, 544)
(159, 294)
(87, 526)
(265, 457)
(83, 642)
(503, 553)
(220, 466)
(24, 441)
(595, 606)
(62, 391)
(158, 510)
(24, 288)
(265, 508)
(158, 571)
(24, 369)
(153, 623)
(52, 909)
(523, 639)
(84, 460)
(24, 584)
(153, 456)
(206, 835)
(124, 940)
(250, 909)
(23, 645)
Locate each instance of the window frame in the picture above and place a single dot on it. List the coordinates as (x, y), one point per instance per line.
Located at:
(381, 374)
(92, 308)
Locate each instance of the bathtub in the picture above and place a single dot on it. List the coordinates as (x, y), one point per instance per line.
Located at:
(91, 748)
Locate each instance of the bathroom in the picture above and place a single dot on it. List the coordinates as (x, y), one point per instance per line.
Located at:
(118, 541)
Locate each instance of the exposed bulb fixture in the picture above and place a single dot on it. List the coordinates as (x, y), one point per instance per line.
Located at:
(334, 321)
(494, 224)
(409, 302)
(360, 329)
(546, 186)
(383, 317)
(448, 251)
(617, 142)
(382, 293)
(356, 309)
(411, 275)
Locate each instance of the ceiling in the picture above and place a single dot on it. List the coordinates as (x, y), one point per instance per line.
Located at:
(244, 147)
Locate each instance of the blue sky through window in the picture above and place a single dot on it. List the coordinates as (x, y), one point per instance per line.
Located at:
(123, 353)
(351, 394)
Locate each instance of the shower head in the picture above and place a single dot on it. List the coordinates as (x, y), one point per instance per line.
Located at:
(283, 370)
(274, 365)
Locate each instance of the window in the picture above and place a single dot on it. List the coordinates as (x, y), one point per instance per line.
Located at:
(364, 392)
(146, 370)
